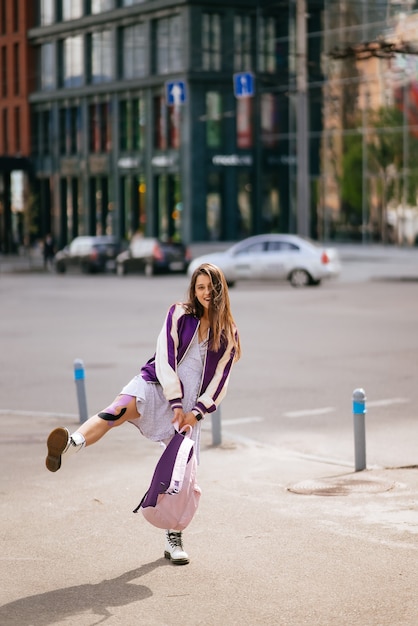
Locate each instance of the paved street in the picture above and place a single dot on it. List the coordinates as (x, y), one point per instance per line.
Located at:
(304, 351)
(267, 547)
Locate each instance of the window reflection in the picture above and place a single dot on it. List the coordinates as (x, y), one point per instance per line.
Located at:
(169, 45)
(101, 57)
(211, 41)
(47, 12)
(134, 51)
(47, 62)
(72, 9)
(73, 61)
(98, 6)
(213, 119)
(132, 124)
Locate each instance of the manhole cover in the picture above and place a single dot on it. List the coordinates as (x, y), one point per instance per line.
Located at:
(340, 486)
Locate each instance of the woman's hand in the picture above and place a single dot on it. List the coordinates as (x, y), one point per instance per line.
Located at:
(184, 419)
(178, 417)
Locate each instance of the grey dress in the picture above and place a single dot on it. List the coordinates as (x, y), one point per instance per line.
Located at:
(155, 411)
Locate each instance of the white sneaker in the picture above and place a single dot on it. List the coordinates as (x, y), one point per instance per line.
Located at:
(174, 548)
(60, 442)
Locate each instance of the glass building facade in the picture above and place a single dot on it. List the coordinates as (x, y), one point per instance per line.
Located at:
(210, 121)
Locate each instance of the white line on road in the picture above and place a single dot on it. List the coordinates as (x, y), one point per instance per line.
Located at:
(306, 412)
(242, 420)
(14, 412)
(388, 402)
(330, 409)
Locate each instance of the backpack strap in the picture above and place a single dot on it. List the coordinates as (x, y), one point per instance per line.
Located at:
(184, 454)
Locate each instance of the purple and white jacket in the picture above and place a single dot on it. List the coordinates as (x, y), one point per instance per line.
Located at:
(173, 342)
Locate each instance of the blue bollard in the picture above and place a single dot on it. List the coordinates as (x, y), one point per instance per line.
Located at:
(79, 377)
(359, 411)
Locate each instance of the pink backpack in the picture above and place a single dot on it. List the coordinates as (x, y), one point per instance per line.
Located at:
(173, 495)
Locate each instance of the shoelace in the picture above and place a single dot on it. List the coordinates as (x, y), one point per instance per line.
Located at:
(174, 539)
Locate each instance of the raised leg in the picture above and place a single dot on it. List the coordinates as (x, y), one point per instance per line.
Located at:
(61, 443)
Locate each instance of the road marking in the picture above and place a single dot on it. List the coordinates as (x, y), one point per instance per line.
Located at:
(306, 412)
(241, 420)
(37, 414)
(330, 409)
(388, 402)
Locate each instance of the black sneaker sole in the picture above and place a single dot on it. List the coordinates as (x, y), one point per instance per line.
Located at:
(57, 442)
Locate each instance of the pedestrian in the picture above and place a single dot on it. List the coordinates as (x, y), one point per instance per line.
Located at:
(48, 251)
(184, 381)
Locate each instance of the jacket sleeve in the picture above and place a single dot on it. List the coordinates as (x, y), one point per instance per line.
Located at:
(166, 357)
(217, 387)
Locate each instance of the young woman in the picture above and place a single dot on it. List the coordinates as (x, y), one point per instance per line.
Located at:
(185, 380)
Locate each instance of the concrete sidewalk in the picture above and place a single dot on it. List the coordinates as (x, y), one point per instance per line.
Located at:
(265, 548)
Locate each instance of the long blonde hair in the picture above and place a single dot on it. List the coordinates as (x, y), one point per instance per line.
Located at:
(220, 317)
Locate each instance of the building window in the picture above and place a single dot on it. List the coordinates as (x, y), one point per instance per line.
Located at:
(47, 12)
(3, 17)
(134, 51)
(5, 129)
(160, 123)
(134, 46)
(18, 144)
(244, 123)
(128, 3)
(101, 57)
(267, 45)
(211, 41)
(213, 119)
(16, 17)
(70, 130)
(100, 127)
(174, 126)
(269, 120)
(98, 6)
(72, 9)
(169, 53)
(16, 86)
(132, 125)
(45, 132)
(242, 43)
(47, 67)
(245, 216)
(167, 129)
(73, 74)
(214, 206)
(3, 61)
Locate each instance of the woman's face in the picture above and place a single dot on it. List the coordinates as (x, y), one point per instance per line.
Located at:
(203, 290)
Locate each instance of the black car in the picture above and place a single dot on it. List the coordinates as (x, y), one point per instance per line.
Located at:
(88, 254)
(151, 256)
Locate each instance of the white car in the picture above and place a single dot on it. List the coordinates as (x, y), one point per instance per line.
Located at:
(299, 260)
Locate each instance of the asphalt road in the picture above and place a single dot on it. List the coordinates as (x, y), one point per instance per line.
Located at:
(265, 547)
(304, 352)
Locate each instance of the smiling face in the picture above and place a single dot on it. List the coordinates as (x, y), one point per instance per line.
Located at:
(203, 291)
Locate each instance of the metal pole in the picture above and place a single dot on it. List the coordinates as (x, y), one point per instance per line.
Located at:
(216, 428)
(359, 411)
(364, 177)
(79, 377)
(303, 199)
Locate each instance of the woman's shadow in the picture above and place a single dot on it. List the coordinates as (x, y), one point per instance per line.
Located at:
(51, 607)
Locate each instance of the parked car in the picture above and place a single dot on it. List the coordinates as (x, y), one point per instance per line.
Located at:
(88, 254)
(152, 256)
(275, 257)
